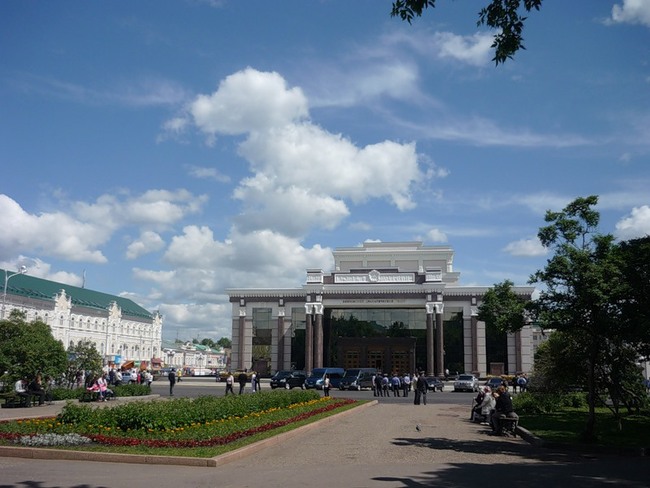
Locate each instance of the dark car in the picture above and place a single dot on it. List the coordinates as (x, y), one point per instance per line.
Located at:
(434, 383)
(288, 379)
(495, 382)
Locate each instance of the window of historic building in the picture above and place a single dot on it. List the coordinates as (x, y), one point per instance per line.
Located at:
(400, 362)
(376, 359)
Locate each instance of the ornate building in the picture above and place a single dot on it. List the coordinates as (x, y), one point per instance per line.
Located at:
(390, 306)
(121, 330)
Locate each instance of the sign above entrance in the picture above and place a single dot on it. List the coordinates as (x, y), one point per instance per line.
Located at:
(375, 276)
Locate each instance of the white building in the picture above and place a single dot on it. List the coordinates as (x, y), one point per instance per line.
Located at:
(121, 330)
(390, 306)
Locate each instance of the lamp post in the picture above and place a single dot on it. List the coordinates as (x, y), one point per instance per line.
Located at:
(8, 276)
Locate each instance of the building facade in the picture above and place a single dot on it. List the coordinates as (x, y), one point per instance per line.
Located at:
(121, 330)
(390, 306)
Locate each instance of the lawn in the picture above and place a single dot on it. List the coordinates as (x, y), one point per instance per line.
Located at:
(203, 427)
(566, 426)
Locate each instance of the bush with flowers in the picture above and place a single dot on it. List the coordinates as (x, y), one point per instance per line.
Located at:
(183, 423)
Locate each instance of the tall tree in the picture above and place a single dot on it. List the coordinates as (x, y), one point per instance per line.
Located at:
(502, 309)
(225, 343)
(507, 16)
(582, 283)
(83, 356)
(28, 348)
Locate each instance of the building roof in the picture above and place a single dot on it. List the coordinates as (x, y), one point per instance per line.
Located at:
(34, 288)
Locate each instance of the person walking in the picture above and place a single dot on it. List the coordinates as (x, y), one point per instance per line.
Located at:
(421, 387)
(172, 381)
(406, 385)
(242, 379)
(326, 385)
(230, 379)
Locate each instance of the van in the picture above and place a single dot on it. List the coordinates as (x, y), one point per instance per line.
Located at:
(357, 378)
(315, 379)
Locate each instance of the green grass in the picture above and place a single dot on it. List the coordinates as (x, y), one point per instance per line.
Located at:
(568, 424)
(182, 424)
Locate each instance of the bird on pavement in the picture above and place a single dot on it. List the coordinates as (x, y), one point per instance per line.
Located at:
(417, 427)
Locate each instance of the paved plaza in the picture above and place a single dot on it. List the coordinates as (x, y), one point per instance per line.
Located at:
(376, 446)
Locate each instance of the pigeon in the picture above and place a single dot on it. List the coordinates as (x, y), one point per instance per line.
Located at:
(417, 427)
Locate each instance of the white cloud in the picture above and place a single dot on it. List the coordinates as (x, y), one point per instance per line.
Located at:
(437, 236)
(299, 169)
(473, 50)
(526, 247)
(632, 12)
(247, 101)
(637, 224)
(204, 173)
(52, 234)
(147, 243)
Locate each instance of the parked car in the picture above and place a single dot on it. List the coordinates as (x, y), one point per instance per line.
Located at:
(288, 379)
(128, 378)
(434, 383)
(357, 378)
(495, 382)
(466, 382)
(315, 379)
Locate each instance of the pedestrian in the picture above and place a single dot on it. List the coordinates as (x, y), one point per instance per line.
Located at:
(242, 379)
(406, 384)
(230, 379)
(254, 382)
(326, 385)
(172, 381)
(421, 388)
(396, 384)
(378, 388)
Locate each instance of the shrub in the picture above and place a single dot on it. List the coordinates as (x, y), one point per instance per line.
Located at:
(532, 403)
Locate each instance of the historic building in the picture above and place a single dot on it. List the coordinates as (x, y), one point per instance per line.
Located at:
(121, 330)
(390, 306)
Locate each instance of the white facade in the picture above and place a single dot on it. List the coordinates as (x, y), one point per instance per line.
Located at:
(117, 335)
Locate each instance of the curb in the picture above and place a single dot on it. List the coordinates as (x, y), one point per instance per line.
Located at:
(41, 453)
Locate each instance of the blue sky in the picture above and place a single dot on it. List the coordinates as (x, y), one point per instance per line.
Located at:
(171, 150)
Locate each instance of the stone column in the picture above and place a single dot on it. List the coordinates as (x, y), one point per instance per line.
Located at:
(242, 338)
(440, 340)
(318, 336)
(474, 354)
(281, 334)
(430, 307)
(309, 338)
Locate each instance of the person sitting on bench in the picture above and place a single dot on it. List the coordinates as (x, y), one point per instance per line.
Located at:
(36, 389)
(21, 390)
(503, 411)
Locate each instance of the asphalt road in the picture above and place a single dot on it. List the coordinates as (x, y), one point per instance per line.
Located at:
(193, 387)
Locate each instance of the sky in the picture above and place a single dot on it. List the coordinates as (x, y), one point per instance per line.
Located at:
(167, 151)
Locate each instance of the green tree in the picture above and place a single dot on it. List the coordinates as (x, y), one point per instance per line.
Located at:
(582, 284)
(83, 356)
(208, 342)
(507, 16)
(225, 343)
(28, 348)
(502, 309)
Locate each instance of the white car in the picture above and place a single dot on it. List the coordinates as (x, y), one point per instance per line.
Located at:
(466, 382)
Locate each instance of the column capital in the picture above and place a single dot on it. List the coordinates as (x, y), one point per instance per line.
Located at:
(435, 307)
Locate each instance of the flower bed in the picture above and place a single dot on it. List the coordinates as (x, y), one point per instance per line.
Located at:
(179, 425)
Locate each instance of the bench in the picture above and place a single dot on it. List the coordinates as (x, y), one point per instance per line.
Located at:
(508, 425)
(93, 396)
(14, 400)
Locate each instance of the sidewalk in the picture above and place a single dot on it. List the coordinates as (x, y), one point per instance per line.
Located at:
(376, 446)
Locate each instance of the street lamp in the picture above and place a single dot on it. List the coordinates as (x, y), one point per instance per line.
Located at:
(23, 270)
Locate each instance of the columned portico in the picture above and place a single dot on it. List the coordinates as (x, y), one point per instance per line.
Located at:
(389, 306)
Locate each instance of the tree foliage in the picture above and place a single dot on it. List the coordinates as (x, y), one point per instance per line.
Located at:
(83, 356)
(506, 16)
(225, 342)
(502, 309)
(28, 348)
(583, 296)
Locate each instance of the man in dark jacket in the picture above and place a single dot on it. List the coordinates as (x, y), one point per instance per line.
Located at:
(242, 379)
(502, 410)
